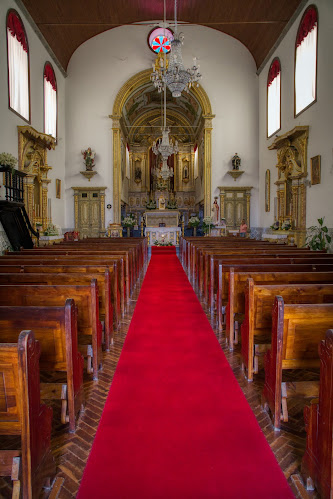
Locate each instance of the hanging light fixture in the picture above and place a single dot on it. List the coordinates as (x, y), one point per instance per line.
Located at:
(174, 74)
(165, 147)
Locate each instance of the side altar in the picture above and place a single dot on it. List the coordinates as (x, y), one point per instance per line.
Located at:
(162, 226)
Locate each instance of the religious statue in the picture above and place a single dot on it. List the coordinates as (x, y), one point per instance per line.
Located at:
(215, 211)
(89, 158)
(236, 161)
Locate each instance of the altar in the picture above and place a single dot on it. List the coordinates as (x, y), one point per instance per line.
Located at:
(162, 226)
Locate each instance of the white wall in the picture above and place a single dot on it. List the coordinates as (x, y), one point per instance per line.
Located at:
(9, 120)
(99, 68)
(319, 117)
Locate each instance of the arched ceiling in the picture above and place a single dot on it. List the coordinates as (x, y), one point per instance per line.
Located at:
(65, 25)
(142, 115)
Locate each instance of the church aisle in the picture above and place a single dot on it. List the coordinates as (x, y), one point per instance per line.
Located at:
(176, 423)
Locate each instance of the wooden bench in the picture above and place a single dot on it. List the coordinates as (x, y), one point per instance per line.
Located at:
(94, 261)
(56, 278)
(296, 332)
(257, 325)
(317, 461)
(86, 300)
(238, 278)
(56, 330)
(22, 414)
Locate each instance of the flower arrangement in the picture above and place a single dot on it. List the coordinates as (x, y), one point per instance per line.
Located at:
(128, 221)
(286, 225)
(171, 205)
(151, 205)
(207, 224)
(193, 222)
(162, 243)
(52, 230)
(276, 225)
(7, 160)
(318, 237)
(89, 158)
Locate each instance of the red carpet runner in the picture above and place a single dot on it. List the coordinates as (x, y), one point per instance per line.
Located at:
(176, 424)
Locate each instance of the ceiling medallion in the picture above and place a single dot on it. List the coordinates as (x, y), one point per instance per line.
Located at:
(174, 74)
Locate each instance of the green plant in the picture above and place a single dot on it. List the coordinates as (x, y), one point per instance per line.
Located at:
(151, 205)
(162, 243)
(318, 237)
(52, 230)
(128, 221)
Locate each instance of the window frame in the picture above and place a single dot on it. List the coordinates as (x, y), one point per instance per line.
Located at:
(49, 63)
(28, 53)
(312, 6)
(278, 129)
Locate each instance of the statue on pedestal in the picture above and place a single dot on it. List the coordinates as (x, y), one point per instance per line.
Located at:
(215, 211)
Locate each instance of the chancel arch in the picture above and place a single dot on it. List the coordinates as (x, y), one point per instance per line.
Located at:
(137, 119)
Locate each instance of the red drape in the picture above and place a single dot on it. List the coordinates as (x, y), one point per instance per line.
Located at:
(16, 28)
(50, 76)
(309, 21)
(274, 70)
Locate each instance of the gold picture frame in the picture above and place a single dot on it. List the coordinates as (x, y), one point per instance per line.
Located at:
(268, 190)
(315, 170)
(58, 188)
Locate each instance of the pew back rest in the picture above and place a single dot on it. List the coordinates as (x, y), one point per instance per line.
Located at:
(263, 298)
(55, 296)
(302, 329)
(54, 328)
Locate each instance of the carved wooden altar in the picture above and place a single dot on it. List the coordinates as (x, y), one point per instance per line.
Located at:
(291, 184)
(32, 160)
(235, 205)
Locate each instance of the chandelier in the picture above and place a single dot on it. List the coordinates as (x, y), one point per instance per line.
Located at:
(176, 77)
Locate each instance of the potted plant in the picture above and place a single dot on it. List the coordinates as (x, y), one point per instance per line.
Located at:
(128, 222)
(151, 205)
(276, 225)
(194, 222)
(207, 225)
(318, 237)
(7, 162)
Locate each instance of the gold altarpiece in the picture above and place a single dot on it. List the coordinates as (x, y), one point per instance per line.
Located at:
(32, 160)
(292, 180)
(138, 81)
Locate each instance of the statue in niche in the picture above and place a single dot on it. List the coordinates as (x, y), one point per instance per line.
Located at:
(185, 172)
(215, 211)
(236, 162)
(137, 174)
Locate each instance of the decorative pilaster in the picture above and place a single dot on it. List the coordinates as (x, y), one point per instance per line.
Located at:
(116, 168)
(207, 162)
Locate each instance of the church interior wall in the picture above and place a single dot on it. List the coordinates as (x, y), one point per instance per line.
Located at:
(103, 64)
(9, 120)
(318, 117)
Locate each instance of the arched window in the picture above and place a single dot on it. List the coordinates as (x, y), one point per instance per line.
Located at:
(306, 60)
(274, 98)
(18, 65)
(50, 101)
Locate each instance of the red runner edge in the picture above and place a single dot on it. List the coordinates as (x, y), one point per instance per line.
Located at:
(176, 423)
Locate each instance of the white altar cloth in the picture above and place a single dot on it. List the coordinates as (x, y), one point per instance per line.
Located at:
(163, 234)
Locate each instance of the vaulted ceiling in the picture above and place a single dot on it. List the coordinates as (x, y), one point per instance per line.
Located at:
(67, 24)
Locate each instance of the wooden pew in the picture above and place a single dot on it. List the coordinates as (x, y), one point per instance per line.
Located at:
(86, 300)
(22, 414)
(296, 333)
(55, 278)
(56, 330)
(238, 278)
(94, 261)
(257, 325)
(317, 461)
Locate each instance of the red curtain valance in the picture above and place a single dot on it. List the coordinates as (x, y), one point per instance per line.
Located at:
(308, 22)
(16, 28)
(274, 70)
(50, 76)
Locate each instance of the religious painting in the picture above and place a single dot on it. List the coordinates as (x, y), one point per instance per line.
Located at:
(315, 170)
(58, 188)
(268, 190)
